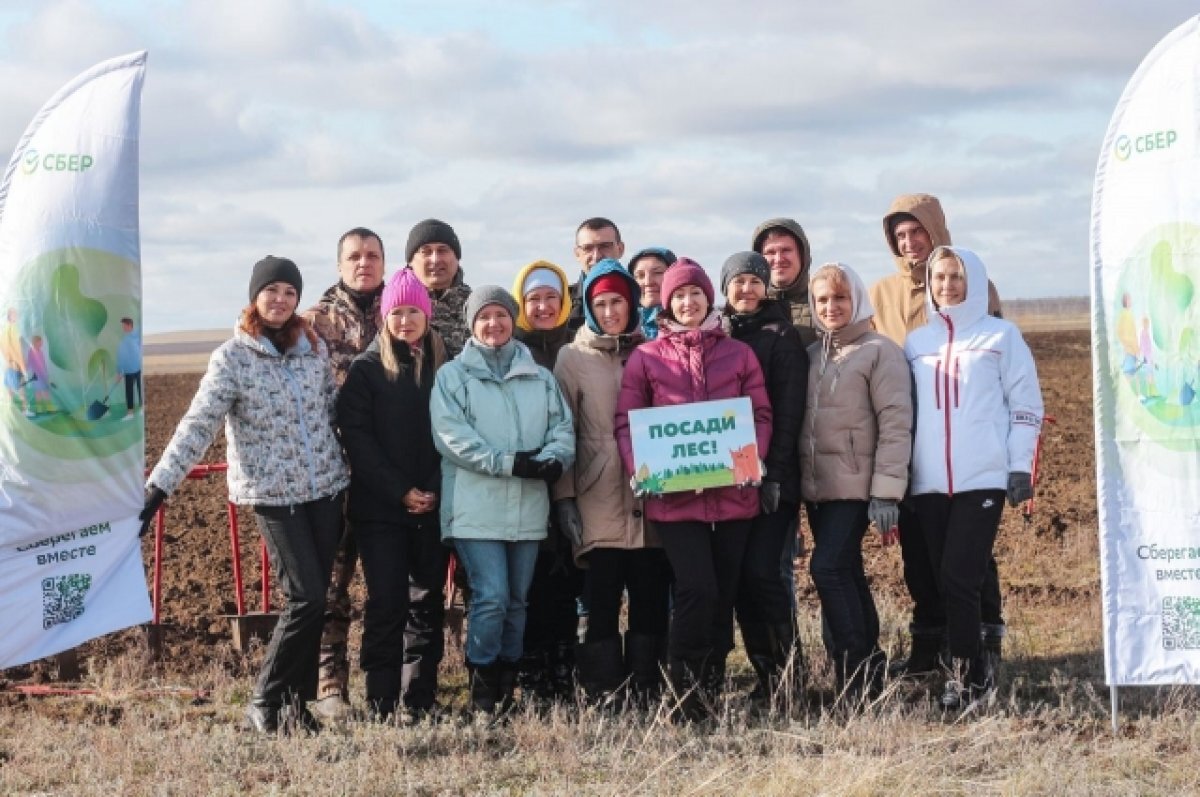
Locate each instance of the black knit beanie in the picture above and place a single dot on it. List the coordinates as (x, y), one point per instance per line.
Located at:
(274, 269)
(745, 263)
(431, 231)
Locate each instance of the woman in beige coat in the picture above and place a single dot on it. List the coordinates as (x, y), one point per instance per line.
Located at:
(596, 506)
(855, 445)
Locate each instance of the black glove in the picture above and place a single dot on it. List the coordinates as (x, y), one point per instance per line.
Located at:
(1020, 487)
(154, 499)
(884, 513)
(524, 466)
(569, 521)
(550, 470)
(768, 496)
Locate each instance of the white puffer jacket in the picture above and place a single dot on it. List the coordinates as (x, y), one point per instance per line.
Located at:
(979, 407)
(279, 413)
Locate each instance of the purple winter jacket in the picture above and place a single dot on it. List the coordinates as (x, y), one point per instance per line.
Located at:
(679, 368)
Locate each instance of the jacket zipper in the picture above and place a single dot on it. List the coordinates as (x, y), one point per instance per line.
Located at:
(946, 409)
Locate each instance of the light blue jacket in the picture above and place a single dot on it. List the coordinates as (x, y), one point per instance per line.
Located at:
(487, 405)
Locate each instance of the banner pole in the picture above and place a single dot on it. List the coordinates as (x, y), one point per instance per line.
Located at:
(1116, 703)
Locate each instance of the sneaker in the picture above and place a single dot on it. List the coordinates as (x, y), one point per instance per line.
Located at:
(332, 708)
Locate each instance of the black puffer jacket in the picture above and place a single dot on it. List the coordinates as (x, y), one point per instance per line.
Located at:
(387, 435)
(781, 354)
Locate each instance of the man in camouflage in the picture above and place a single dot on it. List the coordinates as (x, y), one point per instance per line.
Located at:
(433, 253)
(785, 246)
(346, 317)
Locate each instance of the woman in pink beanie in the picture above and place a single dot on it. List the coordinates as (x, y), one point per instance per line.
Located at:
(383, 414)
(704, 533)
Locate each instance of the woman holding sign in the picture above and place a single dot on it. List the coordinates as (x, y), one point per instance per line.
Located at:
(705, 531)
(979, 411)
(272, 386)
(596, 508)
(854, 448)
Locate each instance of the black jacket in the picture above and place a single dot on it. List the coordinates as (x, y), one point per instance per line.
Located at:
(781, 354)
(388, 437)
(544, 344)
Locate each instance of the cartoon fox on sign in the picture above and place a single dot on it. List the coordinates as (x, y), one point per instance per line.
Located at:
(745, 464)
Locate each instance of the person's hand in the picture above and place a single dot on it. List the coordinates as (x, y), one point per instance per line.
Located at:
(524, 465)
(154, 499)
(569, 521)
(768, 496)
(1020, 487)
(885, 514)
(550, 470)
(418, 502)
(640, 492)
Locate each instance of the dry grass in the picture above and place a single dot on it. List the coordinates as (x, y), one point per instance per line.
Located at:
(1048, 733)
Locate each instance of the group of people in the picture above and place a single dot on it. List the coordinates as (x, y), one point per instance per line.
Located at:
(400, 420)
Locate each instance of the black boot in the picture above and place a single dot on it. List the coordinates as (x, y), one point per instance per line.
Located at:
(383, 692)
(792, 672)
(601, 669)
(685, 676)
(925, 655)
(562, 670)
(993, 643)
(860, 675)
(506, 685)
(533, 675)
(760, 651)
(484, 688)
(262, 716)
(713, 681)
(970, 682)
(645, 659)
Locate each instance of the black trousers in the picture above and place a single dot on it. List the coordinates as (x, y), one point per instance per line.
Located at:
(837, 571)
(921, 579)
(300, 540)
(132, 382)
(405, 570)
(706, 559)
(960, 531)
(641, 572)
(764, 593)
(552, 614)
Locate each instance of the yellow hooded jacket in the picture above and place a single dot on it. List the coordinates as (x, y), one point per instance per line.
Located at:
(899, 299)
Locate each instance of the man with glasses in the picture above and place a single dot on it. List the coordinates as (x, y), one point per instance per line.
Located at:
(595, 239)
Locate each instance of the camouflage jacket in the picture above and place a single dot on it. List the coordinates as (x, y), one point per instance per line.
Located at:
(448, 304)
(795, 298)
(346, 329)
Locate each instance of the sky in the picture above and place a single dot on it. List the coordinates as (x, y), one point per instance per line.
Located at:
(272, 126)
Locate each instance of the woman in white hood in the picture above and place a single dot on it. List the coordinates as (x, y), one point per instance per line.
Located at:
(854, 453)
(979, 412)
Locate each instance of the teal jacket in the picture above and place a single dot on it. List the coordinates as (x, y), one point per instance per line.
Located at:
(487, 405)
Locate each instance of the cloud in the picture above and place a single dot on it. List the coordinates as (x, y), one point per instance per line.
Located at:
(276, 125)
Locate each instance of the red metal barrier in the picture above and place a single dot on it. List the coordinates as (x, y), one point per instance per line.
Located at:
(203, 472)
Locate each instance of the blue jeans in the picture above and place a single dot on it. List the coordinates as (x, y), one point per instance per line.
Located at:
(499, 574)
(837, 571)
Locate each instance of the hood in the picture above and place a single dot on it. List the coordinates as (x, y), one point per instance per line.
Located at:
(975, 306)
(564, 312)
(858, 294)
(926, 209)
(789, 226)
(590, 339)
(610, 266)
(513, 359)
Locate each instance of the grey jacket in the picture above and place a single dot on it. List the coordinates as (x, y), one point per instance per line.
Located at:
(278, 412)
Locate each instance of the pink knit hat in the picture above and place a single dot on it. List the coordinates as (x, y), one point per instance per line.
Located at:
(686, 272)
(405, 289)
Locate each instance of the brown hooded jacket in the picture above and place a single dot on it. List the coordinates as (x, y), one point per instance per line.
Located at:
(899, 299)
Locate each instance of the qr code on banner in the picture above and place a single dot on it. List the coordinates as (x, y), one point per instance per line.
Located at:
(62, 598)
(1181, 623)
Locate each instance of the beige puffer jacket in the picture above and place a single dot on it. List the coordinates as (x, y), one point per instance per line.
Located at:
(899, 299)
(856, 439)
(589, 373)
